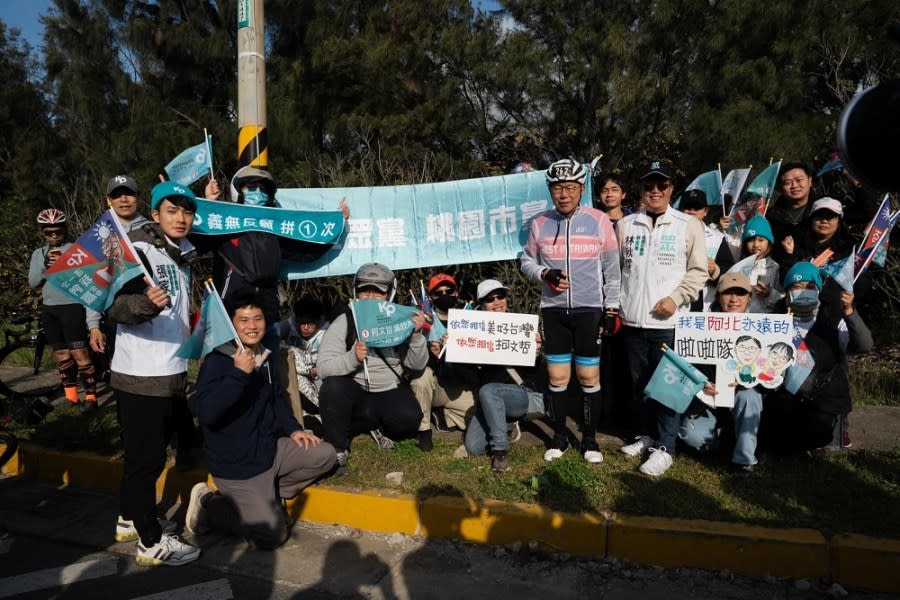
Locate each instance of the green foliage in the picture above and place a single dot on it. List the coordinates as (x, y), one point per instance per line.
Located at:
(372, 93)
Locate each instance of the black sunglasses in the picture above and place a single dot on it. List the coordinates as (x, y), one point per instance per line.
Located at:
(443, 292)
(493, 298)
(660, 185)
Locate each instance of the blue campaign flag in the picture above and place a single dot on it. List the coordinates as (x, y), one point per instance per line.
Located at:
(382, 324)
(675, 382)
(803, 366)
(763, 185)
(96, 265)
(426, 225)
(710, 183)
(732, 187)
(191, 164)
(744, 266)
(834, 163)
(841, 271)
(226, 218)
(213, 329)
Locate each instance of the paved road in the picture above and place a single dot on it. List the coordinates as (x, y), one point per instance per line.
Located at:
(63, 548)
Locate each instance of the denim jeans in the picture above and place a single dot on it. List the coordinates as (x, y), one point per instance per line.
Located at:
(747, 411)
(644, 353)
(701, 433)
(499, 406)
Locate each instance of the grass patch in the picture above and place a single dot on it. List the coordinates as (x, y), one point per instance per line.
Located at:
(836, 493)
(844, 492)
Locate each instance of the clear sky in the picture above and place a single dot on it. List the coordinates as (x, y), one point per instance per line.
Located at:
(23, 14)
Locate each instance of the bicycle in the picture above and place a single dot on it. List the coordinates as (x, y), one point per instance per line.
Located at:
(24, 368)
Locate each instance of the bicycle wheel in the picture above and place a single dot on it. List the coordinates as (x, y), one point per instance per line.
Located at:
(28, 370)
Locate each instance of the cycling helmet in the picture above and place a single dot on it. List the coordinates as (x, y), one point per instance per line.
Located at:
(250, 174)
(377, 276)
(566, 169)
(51, 216)
(522, 167)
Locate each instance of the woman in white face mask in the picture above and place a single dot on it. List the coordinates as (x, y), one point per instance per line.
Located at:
(813, 414)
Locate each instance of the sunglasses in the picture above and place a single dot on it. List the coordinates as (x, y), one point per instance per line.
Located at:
(53, 232)
(493, 298)
(443, 292)
(824, 215)
(659, 185)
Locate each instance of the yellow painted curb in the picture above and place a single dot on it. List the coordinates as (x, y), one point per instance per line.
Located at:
(90, 470)
(750, 549)
(370, 510)
(496, 522)
(862, 561)
(853, 560)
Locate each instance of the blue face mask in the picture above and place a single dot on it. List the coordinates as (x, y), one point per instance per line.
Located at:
(804, 301)
(256, 197)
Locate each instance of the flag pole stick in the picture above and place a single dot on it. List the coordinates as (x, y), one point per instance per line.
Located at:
(365, 361)
(209, 156)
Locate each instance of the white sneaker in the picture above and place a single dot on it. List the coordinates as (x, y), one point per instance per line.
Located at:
(559, 445)
(637, 448)
(383, 441)
(195, 518)
(658, 463)
(169, 550)
(593, 456)
(126, 532)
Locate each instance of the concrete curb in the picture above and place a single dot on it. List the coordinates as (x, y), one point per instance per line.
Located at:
(854, 560)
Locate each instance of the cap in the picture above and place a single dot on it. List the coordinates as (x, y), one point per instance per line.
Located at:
(828, 203)
(692, 199)
(657, 168)
(122, 181)
(758, 226)
(375, 275)
(803, 271)
(441, 279)
(164, 190)
(489, 285)
(730, 281)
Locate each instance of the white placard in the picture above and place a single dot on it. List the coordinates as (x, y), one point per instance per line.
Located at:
(492, 338)
(748, 349)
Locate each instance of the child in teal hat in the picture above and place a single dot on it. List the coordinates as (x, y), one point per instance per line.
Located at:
(764, 277)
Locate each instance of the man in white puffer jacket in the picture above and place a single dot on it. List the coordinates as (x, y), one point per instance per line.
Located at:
(664, 267)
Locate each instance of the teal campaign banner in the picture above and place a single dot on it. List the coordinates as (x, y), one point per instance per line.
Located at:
(225, 218)
(383, 324)
(426, 225)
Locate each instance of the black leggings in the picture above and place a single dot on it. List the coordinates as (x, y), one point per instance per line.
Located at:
(347, 410)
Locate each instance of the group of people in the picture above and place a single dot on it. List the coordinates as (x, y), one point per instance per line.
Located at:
(612, 283)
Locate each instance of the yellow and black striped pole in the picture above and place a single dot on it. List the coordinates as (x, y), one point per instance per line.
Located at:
(253, 144)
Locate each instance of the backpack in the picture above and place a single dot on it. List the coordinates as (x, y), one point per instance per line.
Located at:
(255, 256)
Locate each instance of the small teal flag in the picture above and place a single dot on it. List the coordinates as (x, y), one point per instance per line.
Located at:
(763, 185)
(675, 382)
(841, 271)
(744, 266)
(213, 329)
(834, 163)
(192, 164)
(710, 183)
(383, 324)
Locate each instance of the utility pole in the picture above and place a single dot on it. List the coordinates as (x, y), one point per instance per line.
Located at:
(253, 144)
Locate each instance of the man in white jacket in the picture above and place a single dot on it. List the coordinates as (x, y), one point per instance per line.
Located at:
(664, 267)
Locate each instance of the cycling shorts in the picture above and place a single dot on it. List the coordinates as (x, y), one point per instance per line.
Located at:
(568, 332)
(64, 326)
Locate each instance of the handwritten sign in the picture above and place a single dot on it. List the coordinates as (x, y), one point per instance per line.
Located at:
(494, 338)
(748, 349)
